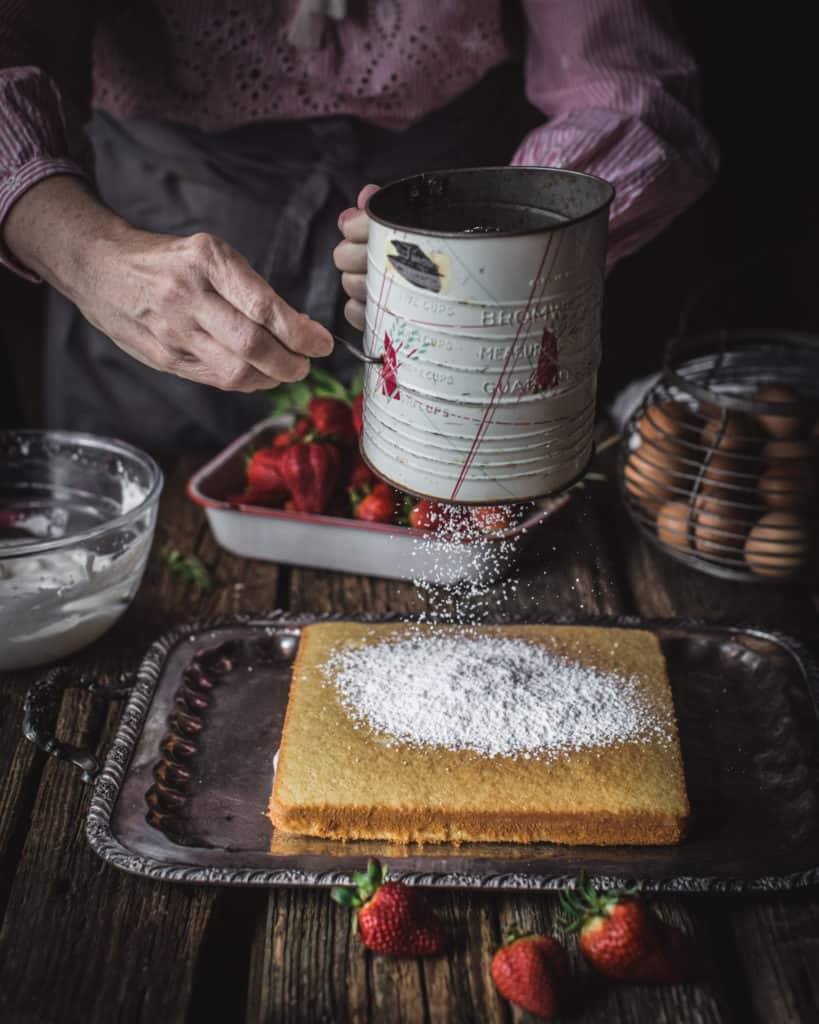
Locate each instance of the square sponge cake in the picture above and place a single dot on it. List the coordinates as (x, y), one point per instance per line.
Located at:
(526, 733)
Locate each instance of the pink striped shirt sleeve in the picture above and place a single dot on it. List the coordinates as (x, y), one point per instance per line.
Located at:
(40, 127)
(621, 96)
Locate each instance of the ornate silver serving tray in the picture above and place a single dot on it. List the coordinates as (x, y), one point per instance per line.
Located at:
(183, 791)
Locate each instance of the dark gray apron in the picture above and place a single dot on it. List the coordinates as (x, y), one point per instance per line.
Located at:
(273, 191)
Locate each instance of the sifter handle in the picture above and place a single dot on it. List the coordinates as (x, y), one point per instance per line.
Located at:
(357, 351)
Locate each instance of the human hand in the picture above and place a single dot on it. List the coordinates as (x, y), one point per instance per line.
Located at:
(190, 306)
(195, 307)
(350, 256)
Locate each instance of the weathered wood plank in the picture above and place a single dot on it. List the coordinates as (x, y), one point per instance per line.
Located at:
(20, 768)
(306, 964)
(778, 941)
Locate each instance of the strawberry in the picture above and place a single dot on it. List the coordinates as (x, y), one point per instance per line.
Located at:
(309, 470)
(303, 427)
(299, 431)
(332, 418)
(390, 917)
(421, 515)
(532, 971)
(438, 517)
(622, 939)
(357, 413)
(493, 518)
(250, 496)
(360, 475)
(378, 506)
(263, 476)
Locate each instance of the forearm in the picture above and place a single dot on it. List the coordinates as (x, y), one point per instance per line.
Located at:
(57, 228)
(192, 305)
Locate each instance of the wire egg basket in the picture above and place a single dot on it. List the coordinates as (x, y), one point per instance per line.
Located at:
(720, 462)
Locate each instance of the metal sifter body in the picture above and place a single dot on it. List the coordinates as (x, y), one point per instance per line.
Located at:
(484, 293)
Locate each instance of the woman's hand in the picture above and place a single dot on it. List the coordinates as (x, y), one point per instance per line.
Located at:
(189, 306)
(350, 257)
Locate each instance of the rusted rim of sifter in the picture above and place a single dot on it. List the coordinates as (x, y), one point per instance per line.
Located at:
(430, 176)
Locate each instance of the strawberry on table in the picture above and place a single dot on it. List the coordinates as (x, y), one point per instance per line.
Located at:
(532, 971)
(378, 506)
(622, 939)
(390, 917)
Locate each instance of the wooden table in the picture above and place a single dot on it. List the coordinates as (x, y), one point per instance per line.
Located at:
(82, 941)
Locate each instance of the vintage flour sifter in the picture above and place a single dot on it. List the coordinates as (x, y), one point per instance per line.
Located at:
(484, 291)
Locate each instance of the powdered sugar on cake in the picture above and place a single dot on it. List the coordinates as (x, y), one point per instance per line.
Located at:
(496, 696)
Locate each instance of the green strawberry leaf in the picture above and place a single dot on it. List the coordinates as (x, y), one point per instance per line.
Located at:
(356, 385)
(325, 385)
(344, 896)
(302, 393)
(295, 397)
(281, 400)
(290, 398)
(187, 568)
(375, 872)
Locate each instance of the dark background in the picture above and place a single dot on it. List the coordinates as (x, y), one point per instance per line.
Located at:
(750, 243)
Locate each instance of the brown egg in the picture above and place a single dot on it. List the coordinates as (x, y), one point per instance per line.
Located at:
(788, 484)
(666, 421)
(719, 530)
(672, 524)
(778, 544)
(774, 425)
(788, 449)
(736, 432)
(651, 475)
(725, 479)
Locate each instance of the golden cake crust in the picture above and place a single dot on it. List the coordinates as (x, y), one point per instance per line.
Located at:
(337, 779)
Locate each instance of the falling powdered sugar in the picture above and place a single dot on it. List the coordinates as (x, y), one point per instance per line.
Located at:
(467, 566)
(496, 696)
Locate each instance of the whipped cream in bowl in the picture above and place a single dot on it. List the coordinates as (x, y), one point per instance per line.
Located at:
(77, 518)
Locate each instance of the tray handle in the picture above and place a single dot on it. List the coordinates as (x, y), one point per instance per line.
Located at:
(41, 707)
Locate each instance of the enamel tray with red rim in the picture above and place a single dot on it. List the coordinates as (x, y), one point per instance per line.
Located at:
(347, 545)
(182, 793)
